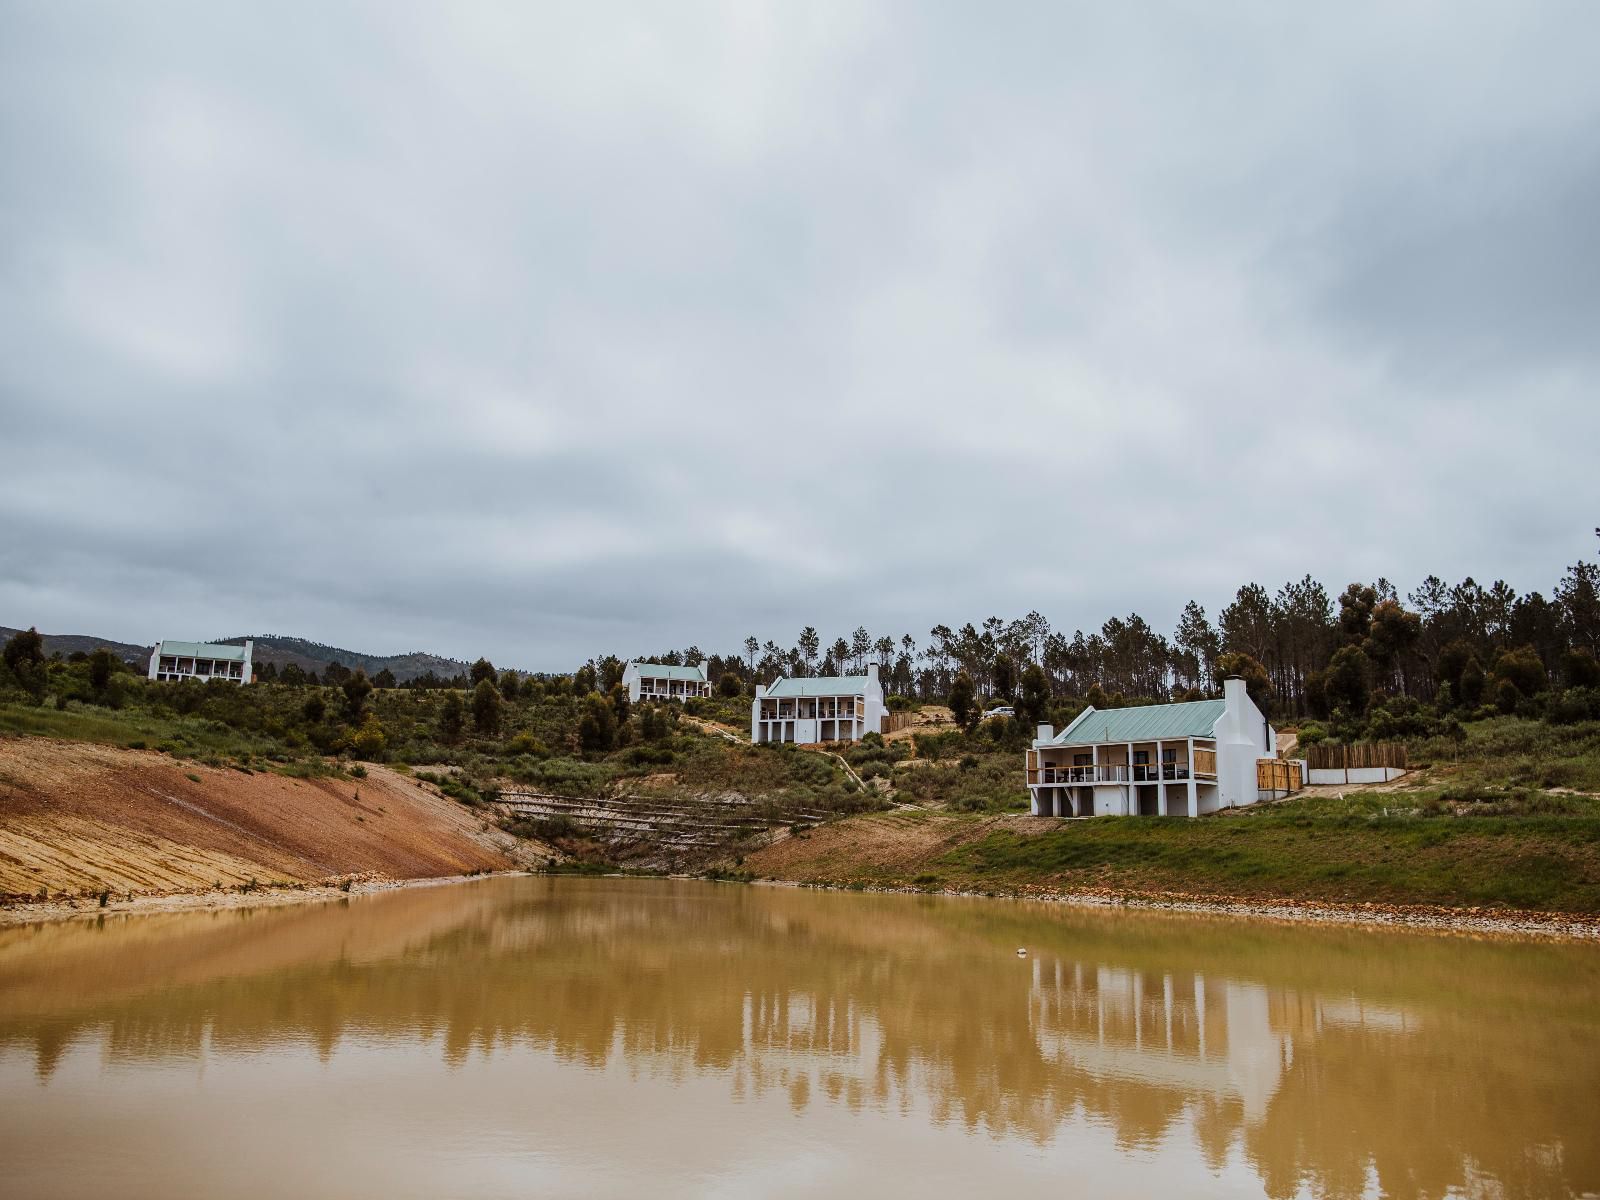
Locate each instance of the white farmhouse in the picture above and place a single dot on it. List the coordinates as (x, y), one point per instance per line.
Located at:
(662, 681)
(202, 660)
(829, 708)
(1171, 760)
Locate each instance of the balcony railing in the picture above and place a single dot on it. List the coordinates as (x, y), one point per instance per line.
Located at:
(843, 713)
(1118, 773)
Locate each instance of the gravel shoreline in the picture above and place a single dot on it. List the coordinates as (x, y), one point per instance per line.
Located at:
(33, 912)
(1477, 922)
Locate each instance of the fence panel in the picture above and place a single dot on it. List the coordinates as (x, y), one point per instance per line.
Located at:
(1331, 757)
(1278, 775)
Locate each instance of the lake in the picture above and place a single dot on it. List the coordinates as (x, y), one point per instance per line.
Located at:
(626, 1037)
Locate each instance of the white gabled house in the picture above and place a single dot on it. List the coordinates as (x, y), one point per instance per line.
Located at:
(1174, 760)
(829, 708)
(663, 681)
(202, 661)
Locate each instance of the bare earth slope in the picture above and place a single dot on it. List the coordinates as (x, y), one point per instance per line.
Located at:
(76, 817)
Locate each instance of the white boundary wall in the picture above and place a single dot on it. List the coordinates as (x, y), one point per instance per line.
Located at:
(1353, 774)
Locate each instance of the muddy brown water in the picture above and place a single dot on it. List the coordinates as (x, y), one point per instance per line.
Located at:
(575, 1037)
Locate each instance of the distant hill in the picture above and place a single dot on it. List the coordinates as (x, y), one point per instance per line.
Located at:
(270, 648)
(66, 644)
(314, 656)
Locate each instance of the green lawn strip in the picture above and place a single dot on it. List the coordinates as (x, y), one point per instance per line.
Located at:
(1537, 862)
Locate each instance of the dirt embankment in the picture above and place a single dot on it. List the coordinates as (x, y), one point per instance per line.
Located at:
(77, 818)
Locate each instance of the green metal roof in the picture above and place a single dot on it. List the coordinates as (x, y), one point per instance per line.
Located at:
(668, 671)
(1147, 723)
(820, 685)
(202, 650)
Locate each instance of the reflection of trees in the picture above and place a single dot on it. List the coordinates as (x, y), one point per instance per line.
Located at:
(1325, 1056)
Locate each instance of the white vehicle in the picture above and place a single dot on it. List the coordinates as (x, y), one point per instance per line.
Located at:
(1000, 710)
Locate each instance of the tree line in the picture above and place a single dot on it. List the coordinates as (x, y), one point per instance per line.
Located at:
(1305, 651)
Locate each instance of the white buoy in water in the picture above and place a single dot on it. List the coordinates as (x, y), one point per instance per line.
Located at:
(1022, 952)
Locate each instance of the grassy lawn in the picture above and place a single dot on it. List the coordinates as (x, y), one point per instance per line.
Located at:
(1513, 751)
(1536, 851)
(1528, 850)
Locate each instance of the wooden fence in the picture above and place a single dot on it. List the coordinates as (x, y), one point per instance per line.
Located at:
(1278, 775)
(893, 721)
(1327, 756)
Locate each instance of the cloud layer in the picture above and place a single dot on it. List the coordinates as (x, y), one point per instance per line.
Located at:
(613, 327)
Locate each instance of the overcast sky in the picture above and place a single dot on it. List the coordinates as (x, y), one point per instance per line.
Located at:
(538, 331)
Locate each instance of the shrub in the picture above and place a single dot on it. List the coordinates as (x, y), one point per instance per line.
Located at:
(486, 706)
(597, 727)
(1573, 706)
(963, 701)
(934, 746)
(544, 829)
(452, 718)
(1522, 668)
(1311, 733)
(1473, 684)
(1580, 669)
(369, 741)
(526, 743)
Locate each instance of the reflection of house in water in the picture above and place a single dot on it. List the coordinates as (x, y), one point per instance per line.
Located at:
(1182, 1030)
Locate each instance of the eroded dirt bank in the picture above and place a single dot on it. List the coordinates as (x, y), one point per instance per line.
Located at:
(78, 819)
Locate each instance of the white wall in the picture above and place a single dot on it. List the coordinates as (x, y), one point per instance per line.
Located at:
(1353, 774)
(872, 702)
(1243, 736)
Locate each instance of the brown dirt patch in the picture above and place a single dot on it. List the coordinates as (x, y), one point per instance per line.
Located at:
(930, 718)
(884, 845)
(76, 817)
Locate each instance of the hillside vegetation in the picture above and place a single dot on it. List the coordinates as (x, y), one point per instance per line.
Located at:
(507, 735)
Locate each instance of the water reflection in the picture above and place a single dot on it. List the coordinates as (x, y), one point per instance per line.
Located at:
(1329, 1062)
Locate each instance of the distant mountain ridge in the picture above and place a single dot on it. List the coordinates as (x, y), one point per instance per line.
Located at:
(71, 643)
(269, 648)
(314, 656)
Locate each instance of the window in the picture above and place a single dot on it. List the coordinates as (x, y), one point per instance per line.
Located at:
(1169, 756)
(1082, 760)
(1141, 758)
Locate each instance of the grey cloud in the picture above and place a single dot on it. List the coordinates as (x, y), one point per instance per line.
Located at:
(1491, 266)
(541, 332)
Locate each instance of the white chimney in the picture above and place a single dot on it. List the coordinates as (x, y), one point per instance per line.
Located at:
(872, 671)
(761, 690)
(1234, 692)
(1046, 732)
